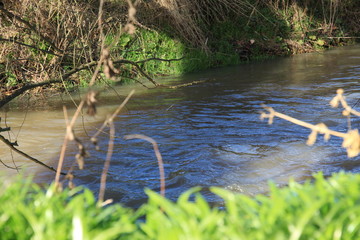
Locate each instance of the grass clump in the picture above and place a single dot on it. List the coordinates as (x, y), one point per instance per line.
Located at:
(318, 209)
(29, 212)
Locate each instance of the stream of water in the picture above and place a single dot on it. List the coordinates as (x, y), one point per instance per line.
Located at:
(208, 134)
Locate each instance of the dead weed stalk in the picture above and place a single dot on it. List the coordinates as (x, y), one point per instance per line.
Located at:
(351, 139)
(158, 156)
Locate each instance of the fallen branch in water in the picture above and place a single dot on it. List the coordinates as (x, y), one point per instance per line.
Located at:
(351, 139)
(184, 84)
(12, 145)
(158, 156)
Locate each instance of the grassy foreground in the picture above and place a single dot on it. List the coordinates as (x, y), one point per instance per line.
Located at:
(325, 209)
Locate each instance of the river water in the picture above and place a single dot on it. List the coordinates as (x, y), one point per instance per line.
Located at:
(208, 134)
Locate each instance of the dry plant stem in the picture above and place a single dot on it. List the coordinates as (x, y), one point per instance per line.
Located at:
(339, 98)
(63, 150)
(31, 27)
(158, 156)
(69, 127)
(184, 84)
(113, 116)
(351, 139)
(30, 46)
(107, 162)
(273, 113)
(7, 166)
(100, 62)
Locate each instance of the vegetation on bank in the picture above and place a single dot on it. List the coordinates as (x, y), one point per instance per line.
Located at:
(58, 42)
(324, 209)
(47, 43)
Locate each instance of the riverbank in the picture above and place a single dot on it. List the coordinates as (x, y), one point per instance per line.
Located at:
(57, 44)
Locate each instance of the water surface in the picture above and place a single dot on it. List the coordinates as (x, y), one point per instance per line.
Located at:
(210, 134)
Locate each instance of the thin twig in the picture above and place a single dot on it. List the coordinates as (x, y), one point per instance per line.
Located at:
(116, 112)
(24, 88)
(30, 46)
(107, 162)
(7, 166)
(158, 156)
(160, 59)
(184, 84)
(313, 127)
(351, 139)
(31, 27)
(340, 98)
(11, 145)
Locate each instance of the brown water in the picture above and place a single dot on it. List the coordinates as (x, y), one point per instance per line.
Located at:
(208, 134)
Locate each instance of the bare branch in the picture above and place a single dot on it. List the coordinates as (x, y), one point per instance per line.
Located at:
(112, 117)
(319, 128)
(7, 166)
(12, 145)
(24, 88)
(30, 46)
(4, 129)
(184, 84)
(160, 59)
(351, 139)
(31, 27)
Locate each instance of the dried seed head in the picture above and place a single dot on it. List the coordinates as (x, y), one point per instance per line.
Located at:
(91, 102)
(334, 102)
(352, 143)
(340, 91)
(109, 70)
(346, 113)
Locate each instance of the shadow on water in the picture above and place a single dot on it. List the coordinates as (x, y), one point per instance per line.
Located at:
(211, 135)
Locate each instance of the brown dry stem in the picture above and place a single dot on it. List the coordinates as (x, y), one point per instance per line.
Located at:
(351, 139)
(112, 117)
(158, 156)
(107, 162)
(340, 99)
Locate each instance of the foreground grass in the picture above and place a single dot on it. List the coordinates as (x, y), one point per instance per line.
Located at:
(324, 209)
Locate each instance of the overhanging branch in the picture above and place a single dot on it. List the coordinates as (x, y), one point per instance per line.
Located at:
(11, 146)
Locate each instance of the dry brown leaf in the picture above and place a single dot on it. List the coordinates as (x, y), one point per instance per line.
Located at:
(109, 70)
(91, 102)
